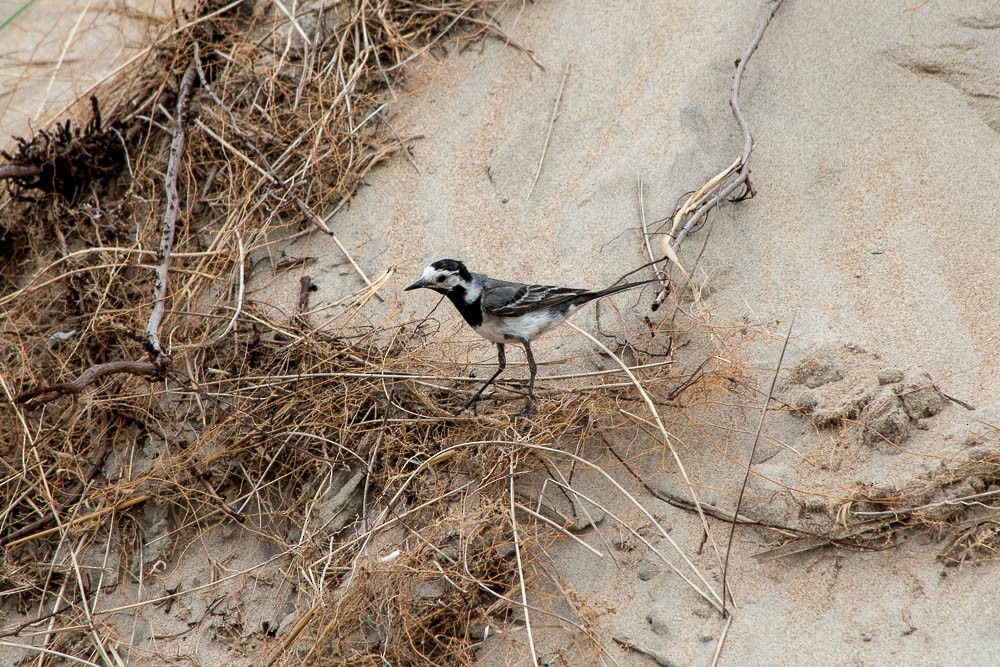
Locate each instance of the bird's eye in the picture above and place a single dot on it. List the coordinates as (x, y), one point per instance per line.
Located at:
(440, 279)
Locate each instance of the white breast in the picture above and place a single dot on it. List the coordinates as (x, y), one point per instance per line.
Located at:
(527, 327)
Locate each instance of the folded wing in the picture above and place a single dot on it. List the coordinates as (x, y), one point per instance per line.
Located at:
(505, 299)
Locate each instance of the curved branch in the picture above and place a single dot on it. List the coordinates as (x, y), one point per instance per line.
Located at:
(90, 376)
(724, 184)
(734, 99)
(160, 361)
(170, 217)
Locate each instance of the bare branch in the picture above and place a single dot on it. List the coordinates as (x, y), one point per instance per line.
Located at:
(19, 171)
(157, 367)
(170, 217)
(223, 505)
(724, 184)
(90, 376)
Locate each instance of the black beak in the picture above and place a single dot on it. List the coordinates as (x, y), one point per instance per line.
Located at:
(416, 285)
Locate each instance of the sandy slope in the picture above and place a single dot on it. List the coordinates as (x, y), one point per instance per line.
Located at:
(874, 225)
(876, 127)
(54, 51)
(875, 162)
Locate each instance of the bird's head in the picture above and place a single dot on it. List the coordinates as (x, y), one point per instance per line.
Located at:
(444, 275)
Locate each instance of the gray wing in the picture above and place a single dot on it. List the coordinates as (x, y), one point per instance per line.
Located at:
(506, 299)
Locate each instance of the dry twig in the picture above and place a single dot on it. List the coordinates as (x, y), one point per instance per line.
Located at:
(548, 133)
(88, 377)
(726, 182)
(166, 245)
(19, 171)
(750, 457)
(160, 361)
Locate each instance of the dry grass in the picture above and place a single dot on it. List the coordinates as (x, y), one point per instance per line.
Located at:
(317, 473)
(958, 503)
(406, 530)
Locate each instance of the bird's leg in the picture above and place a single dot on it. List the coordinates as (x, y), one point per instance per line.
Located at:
(501, 363)
(532, 371)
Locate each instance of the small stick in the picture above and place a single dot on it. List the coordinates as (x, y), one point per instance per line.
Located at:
(660, 659)
(746, 476)
(170, 217)
(19, 171)
(223, 505)
(738, 174)
(680, 503)
(957, 401)
(125, 504)
(73, 498)
(548, 134)
(399, 139)
(743, 177)
(88, 377)
(293, 633)
(645, 239)
(722, 640)
(305, 286)
(520, 565)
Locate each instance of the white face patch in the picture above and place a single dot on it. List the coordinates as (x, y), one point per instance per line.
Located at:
(441, 279)
(446, 277)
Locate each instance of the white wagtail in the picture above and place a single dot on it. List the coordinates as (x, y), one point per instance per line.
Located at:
(506, 312)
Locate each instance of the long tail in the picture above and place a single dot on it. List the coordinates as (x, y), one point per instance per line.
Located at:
(614, 289)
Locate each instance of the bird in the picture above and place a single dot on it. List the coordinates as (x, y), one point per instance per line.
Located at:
(506, 312)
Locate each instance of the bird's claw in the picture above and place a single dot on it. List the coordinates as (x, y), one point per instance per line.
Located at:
(471, 403)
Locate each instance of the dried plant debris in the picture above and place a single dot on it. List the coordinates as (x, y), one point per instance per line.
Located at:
(959, 503)
(302, 496)
(67, 162)
(873, 413)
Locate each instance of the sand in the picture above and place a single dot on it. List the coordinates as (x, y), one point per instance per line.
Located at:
(55, 51)
(874, 229)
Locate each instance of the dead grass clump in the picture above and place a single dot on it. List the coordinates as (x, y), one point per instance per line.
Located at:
(433, 588)
(959, 504)
(412, 529)
(325, 468)
(67, 162)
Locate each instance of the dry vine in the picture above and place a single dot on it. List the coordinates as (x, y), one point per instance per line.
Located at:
(721, 186)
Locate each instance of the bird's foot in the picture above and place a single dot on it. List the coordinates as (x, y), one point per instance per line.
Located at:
(471, 403)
